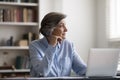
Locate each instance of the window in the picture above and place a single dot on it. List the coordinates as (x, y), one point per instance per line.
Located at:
(114, 20)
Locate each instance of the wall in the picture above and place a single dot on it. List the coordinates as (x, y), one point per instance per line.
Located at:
(102, 40)
(81, 22)
(45, 7)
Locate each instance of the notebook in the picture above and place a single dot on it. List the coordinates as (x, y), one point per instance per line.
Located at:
(102, 62)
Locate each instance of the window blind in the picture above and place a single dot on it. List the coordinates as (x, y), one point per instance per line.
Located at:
(114, 20)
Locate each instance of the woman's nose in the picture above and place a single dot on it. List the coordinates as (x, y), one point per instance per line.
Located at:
(65, 29)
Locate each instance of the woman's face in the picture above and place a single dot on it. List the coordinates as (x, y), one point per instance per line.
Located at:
(60, 29)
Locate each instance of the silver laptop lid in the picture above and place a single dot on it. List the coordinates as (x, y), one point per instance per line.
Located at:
(102, 62)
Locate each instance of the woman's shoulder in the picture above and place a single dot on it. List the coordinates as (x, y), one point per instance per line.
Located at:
(38, 41)
(35, 41)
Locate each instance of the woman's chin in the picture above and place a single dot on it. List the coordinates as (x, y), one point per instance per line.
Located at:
(63, 37)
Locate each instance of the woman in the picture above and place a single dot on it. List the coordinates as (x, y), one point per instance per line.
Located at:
(54, 55)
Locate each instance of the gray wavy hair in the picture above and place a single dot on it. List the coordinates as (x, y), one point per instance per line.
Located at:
(50, 21)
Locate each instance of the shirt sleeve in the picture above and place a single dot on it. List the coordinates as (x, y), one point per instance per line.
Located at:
(41, 64)
(78, 64)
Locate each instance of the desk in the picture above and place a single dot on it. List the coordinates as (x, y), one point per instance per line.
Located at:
(63, 78)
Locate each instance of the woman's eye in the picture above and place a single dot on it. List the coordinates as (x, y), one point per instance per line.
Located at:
(61, 25)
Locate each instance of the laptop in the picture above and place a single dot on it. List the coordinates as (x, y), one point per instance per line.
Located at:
(102, 62)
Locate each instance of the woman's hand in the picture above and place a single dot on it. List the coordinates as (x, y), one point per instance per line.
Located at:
(53, 40)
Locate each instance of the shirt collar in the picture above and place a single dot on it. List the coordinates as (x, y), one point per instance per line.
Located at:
(45, 42)
(58, 45)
